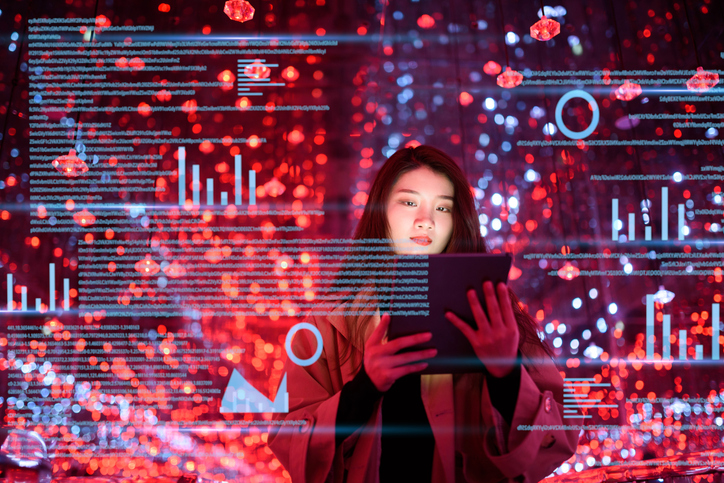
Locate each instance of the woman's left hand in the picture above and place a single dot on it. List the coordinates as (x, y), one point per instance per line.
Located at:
(496, 340)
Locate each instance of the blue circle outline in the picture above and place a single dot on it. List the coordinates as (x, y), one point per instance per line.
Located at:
(288, 344)
(559, 114)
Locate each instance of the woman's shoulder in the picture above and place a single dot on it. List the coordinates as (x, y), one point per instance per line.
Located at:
(340, 313)
(340, 318)
(329, 317)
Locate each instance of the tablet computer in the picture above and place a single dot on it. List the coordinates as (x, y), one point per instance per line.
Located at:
(424, 287)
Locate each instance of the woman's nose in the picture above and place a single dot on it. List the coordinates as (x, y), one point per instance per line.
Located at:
(424, 223)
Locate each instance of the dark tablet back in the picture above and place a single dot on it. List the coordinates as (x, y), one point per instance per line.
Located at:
(425, 287)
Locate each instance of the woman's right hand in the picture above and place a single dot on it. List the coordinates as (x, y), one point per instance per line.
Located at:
(381, 361)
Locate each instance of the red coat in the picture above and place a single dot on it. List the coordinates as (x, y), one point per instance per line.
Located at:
(487, 451)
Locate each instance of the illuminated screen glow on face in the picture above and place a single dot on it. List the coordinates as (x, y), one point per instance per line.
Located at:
(419, 212)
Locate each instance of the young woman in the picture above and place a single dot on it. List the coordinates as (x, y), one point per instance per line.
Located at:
(370, 416)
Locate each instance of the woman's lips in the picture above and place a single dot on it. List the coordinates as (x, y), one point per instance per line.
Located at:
(425, 241)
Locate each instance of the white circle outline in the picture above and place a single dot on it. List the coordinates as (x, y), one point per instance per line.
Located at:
(288, 344)
(559, 114)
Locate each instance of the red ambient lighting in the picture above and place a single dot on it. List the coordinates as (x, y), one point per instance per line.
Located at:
(702, 81)
(628, 91)
(492, 68)
(257, 71)
(70, 165)
(568, 271)
(545, 29)
(84, 218)
(239, 10)
(510, 78)
(426, 22)
(147, 266)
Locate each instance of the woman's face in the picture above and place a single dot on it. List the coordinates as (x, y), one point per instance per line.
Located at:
(419, 212)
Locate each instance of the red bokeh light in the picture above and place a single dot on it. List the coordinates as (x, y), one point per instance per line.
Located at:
(510, 78)
(545, 29)
(239, 10)
(492, 68)
(425, 21)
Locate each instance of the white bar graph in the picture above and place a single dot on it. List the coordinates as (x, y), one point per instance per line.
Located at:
(195, 185)
(181, 176)
(51, 297)
(715, 345)
(614, 219)
(237, 180)
(24, 304)
(574, 402)
(649, 326)
(617, 224)
(245, 80)
(664, 213)
(252, 187)
(666, 333)
(666, 353)
(10, 292)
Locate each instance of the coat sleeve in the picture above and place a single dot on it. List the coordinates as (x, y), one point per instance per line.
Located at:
(307, 450)
(537, 441)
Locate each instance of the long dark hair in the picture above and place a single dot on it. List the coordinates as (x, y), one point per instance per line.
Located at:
(466, 237)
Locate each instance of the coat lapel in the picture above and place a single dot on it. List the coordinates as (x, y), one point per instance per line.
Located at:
(437, 397)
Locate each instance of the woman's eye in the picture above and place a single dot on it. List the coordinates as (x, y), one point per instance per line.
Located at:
(444, 209)
(408, 203)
